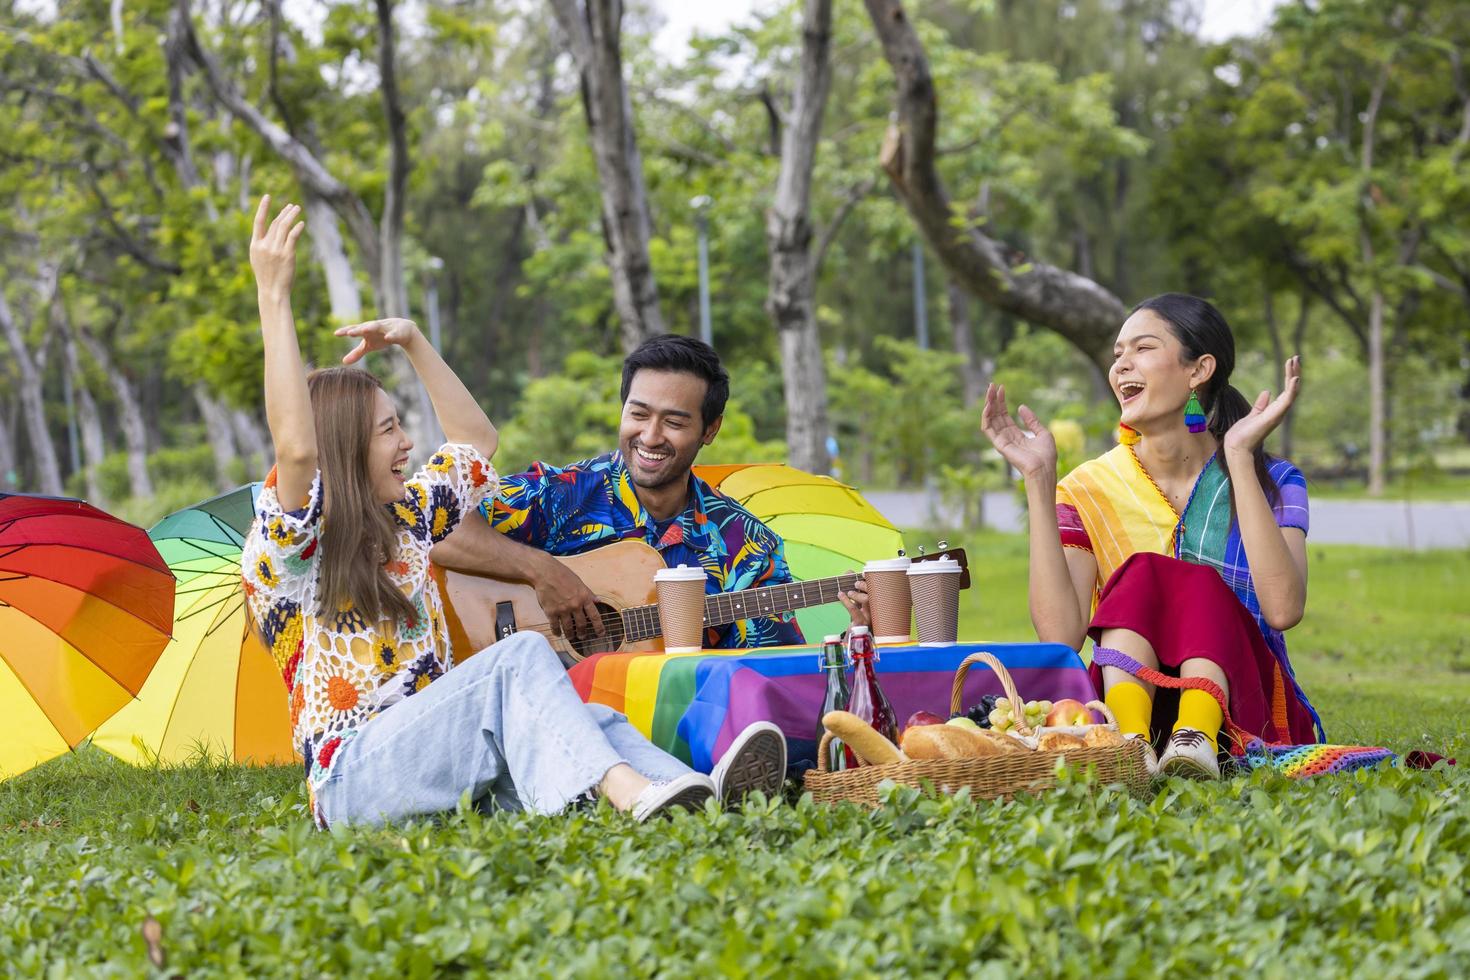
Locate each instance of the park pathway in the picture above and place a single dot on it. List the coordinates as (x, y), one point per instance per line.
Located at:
(1418, 525)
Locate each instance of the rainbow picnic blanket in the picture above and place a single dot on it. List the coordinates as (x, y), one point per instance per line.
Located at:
(693, 705)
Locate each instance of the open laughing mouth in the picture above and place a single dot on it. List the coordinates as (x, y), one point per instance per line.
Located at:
(1129, 390)
(650, 458)
(400, 467)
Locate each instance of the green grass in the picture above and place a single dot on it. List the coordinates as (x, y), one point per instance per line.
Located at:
(1362, 873)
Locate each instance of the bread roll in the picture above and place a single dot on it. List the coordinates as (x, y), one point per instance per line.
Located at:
(859, 736)
(945, 742)
(1059, 742)
(1100, 736)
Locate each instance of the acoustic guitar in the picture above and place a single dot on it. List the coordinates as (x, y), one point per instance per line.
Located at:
(482, 610)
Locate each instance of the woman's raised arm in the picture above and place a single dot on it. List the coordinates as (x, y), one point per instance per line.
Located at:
(287, 403)
(1060, 586)
(460, 416)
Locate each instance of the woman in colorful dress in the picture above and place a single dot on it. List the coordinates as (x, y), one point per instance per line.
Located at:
(1182, 551)
(337, 577)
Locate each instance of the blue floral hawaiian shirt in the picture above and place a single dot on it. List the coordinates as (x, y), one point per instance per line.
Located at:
(572, 509)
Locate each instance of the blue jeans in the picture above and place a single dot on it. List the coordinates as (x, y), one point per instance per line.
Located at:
(506, 725)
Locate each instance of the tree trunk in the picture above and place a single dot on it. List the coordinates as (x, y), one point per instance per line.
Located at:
(593, 29)
(254, 448)
(89, 420)
(221, 436)
(1377, 435)
(9, 478)
(134, 426)
(33, 405)
(327, 247)
(976, 371)
(792, 275)
(1080, 310)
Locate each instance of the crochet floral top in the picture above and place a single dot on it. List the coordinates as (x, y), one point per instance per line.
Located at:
(341, 670)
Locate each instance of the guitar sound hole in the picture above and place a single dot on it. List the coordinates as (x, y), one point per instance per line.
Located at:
(610, 641)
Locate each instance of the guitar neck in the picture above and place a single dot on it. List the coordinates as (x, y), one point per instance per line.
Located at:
(723, 608)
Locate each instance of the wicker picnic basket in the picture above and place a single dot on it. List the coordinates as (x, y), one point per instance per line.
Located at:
(988, 777)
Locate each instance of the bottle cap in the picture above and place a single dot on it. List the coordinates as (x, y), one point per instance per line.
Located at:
(832, 638)
(858, 631)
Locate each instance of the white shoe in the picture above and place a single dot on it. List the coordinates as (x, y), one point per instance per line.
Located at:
(1190, 754)
(688, 792)
(1150, 757)
(756, 760)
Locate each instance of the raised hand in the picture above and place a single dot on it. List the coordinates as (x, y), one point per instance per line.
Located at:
(273, 249)
(1031, 450)
(1265, 415)
(393, 331)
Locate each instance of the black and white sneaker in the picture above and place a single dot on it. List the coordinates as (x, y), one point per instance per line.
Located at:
(756, 760)
(1190, 754)
(688, 792)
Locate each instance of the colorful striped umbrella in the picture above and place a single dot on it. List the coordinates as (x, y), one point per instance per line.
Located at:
(216, 689)
(86, 607)
(828, 527)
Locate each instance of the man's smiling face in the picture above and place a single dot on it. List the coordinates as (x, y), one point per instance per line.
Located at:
(662, 429)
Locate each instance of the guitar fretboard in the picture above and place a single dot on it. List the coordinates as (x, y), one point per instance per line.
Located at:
(642, 622)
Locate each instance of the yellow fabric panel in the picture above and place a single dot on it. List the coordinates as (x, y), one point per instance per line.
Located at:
(860, 541)
(754, 479)
(833, 501)
(71, 690)
(30, 738)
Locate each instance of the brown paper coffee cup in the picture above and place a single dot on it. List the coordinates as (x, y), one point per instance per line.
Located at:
(935, 587)
(888, 599)
(681, 607)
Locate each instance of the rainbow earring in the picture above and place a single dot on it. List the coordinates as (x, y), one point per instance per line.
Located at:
(1127, 434)
(1194, 414)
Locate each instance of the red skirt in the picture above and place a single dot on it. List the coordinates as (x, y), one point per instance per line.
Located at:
(1185, 611)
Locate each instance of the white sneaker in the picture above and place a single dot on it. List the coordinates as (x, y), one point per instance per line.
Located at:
(1150, 757)
(755, 760)
(688, 792)
(1190, 754)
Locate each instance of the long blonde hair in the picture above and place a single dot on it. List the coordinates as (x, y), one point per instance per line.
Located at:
(357, 532)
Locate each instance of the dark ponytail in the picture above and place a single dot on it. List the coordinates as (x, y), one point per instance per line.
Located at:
(1201, 329)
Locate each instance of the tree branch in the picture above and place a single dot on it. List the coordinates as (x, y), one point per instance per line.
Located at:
(828, 235)
(1080, 310)
(312, 173)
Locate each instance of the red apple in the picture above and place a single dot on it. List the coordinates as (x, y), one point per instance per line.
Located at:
(1068, 712)
(922, 718)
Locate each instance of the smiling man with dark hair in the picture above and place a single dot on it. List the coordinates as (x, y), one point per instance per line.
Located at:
(674, 391)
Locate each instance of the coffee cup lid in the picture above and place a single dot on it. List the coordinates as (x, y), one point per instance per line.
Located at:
(939, 566)
(888, 565)
(684, 573)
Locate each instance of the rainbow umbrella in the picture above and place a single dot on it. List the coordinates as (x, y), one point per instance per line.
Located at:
(216, 689)
(86, 606)
(828, 527)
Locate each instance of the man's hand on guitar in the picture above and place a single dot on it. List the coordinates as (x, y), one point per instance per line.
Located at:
(856, 602)
(570, 606)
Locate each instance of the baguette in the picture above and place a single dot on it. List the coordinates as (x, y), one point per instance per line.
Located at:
(1003, 742)
(946, 742)
(859, 736)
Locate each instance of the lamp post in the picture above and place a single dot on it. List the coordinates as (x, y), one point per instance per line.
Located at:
(701, 205)
(921, 312)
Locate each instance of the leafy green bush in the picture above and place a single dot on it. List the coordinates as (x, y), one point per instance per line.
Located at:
(1256, 876)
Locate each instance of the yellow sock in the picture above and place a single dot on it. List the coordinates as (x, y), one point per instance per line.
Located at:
(1200, 711)
(1132, 706)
